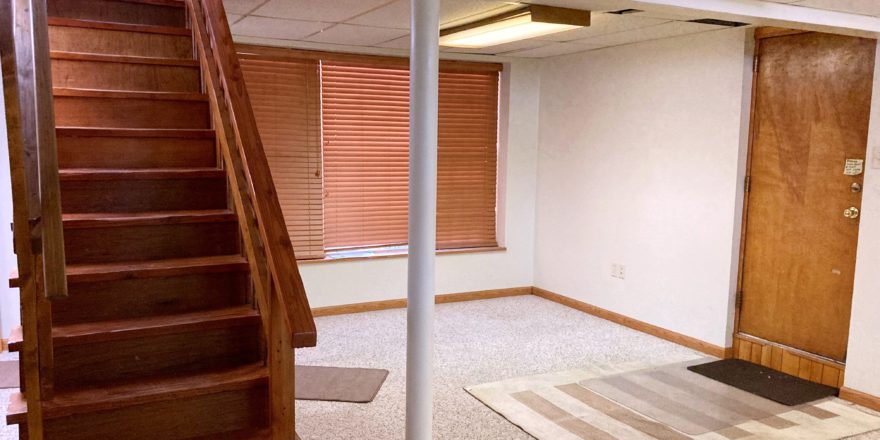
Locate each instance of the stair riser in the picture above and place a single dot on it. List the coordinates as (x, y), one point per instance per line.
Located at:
(97, 363)
(118, 12)
(199, 416)
(143, 195)
(77, 111)
(124, 76)
(113, 42)
(138, 153)
(152, 242)
(145, 297)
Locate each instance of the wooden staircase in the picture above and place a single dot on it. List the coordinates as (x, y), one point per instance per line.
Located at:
(183, 306)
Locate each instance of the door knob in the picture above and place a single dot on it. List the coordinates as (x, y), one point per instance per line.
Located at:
(851, 212)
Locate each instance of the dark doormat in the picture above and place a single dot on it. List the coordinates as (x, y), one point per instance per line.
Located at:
(356, 385)
(762, 381)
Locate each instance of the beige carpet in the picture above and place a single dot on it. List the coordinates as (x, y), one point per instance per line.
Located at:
(356, 385)
(640, 401)
(8, 374)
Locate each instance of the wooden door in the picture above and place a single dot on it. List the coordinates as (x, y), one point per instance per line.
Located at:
(812, 101)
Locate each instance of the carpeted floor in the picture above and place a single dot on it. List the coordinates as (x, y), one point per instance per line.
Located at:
(476, 342)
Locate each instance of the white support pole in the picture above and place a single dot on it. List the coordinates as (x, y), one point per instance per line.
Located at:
(424, 71)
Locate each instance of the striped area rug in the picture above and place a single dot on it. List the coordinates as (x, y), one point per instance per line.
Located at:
(641, 401)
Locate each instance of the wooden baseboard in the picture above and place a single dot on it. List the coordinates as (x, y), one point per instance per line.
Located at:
(860, 398)
(635, 324)
(4, 344)
(401, 303)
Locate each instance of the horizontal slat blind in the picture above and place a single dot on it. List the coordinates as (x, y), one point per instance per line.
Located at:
(366, 154)
(366, 151)
(285, 96)
(467, 159)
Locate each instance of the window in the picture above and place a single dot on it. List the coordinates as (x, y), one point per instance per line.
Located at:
(286, 102)
(362, 147)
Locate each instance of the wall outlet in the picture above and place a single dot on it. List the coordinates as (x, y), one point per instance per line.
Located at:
(618, 271)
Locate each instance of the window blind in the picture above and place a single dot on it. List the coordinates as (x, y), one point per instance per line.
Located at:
(366, 150)
(285, 96)
(366, 146)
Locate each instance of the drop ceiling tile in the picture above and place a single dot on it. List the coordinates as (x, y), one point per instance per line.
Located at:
(317, 10)
(397, 43)
(551, 50)
(396, 14)
(863, 7)
(356, 35)
(233, 18)
(680, 15)
(665, 30)
(241, 6)
(603, 23)
(276, 28)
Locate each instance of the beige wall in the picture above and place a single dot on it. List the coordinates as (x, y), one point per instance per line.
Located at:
(640, 163)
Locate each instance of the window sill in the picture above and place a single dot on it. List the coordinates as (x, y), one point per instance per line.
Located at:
(395, 252)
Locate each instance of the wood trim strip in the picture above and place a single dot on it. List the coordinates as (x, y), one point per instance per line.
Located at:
(860, 398)
(374, 306)
(259, 52)
(635, 324)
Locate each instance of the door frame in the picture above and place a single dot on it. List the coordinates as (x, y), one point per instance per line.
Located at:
(797, 362)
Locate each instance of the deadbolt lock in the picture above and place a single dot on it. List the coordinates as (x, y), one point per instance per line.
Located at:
(851, 212)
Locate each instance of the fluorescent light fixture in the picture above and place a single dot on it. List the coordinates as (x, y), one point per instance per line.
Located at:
(528, 22)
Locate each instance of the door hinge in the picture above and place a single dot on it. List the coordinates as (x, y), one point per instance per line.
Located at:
(747, 184)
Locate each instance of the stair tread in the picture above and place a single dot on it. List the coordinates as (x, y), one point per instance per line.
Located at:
(194, 133)
(66, 403)
(73, 174)
(128, 94)
(145, 269)
(93, 220)
(113, 26)
(92, 332)
(127, 59)
(15, 338)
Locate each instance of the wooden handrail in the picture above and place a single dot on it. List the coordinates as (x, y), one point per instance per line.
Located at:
(278, 288)
(39, 238)
(33, 77)
(249, 165)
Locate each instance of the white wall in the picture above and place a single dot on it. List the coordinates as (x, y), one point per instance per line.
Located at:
(9, 316)
(864, 338)
(335, 283)
(640, 163)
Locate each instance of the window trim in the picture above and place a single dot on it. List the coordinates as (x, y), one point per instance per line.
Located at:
(339, 256)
